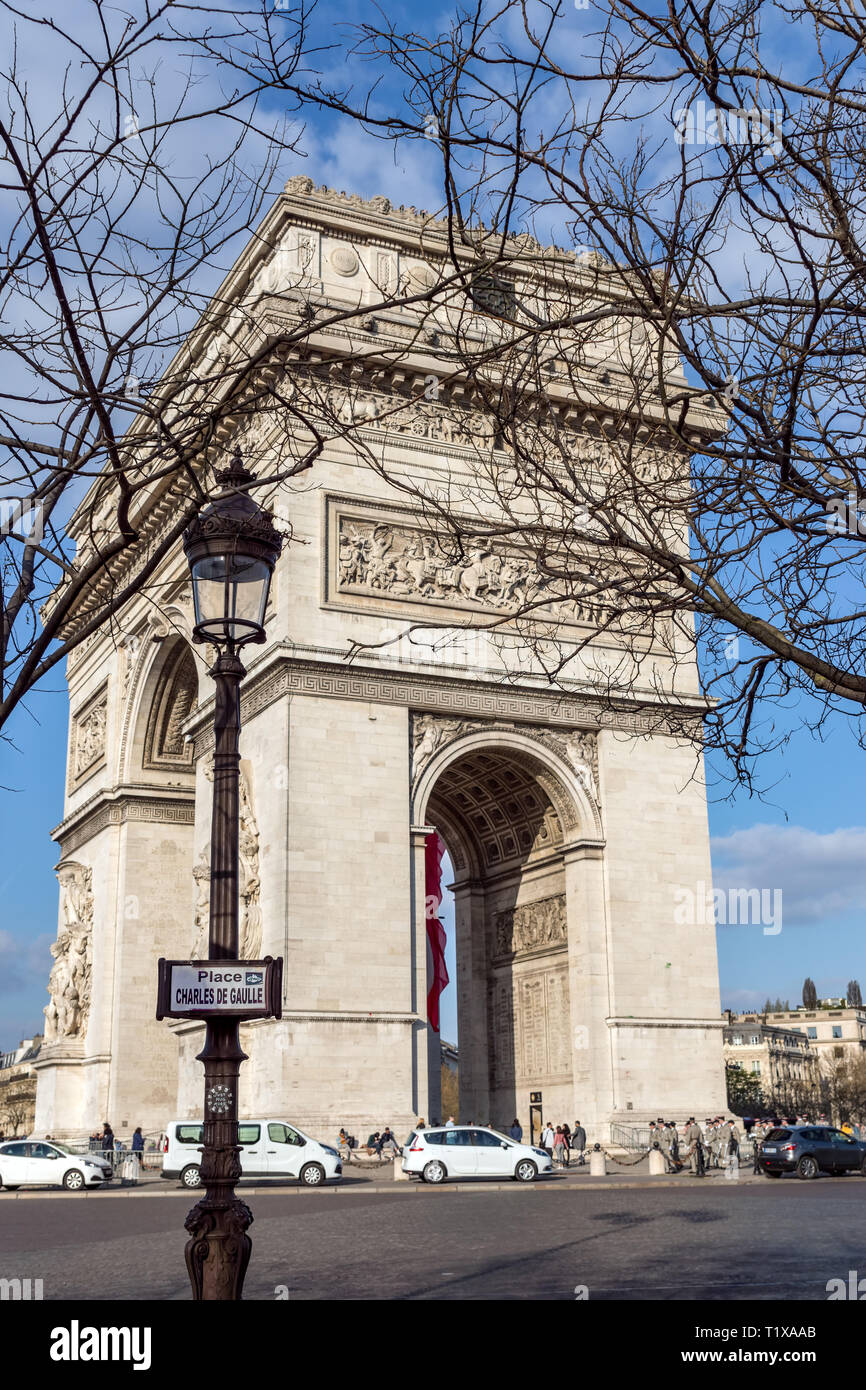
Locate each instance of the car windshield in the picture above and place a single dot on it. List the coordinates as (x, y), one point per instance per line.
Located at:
(500, 1135)
(62, 1147)
(779, 1134)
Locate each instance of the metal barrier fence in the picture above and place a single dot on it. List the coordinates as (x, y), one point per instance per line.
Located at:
(148, 1160)
(630, 1136)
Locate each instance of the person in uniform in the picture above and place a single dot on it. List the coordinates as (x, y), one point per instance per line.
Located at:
(695, 1142)
(665, 1146)
(674, 1145)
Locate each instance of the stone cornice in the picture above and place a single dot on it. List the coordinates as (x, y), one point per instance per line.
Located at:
(665, 1023)
(182, 1026)
(287, 674)
(123, 803)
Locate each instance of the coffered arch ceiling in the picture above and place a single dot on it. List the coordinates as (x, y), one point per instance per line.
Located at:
(500, 803)
(174, 698)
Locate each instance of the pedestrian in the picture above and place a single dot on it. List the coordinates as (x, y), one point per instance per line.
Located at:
(515, 1132)
(345, 1146)
(450, 1122)
(387, 1143)
(138, 1144)
(578, 1141)
(372, 1144)
(567, 1132)
(548, 1138)
(559, 1147)
(106, 1142)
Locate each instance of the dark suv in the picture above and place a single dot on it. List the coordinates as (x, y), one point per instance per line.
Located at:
(809, 1149)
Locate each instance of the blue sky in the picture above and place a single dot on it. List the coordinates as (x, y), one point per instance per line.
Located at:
(808, 838)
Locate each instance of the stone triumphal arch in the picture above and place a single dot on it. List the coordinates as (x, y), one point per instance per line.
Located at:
(568, 821)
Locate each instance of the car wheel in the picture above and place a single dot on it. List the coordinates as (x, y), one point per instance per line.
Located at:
(13, 1186)
(312, 1175)
(73, 1181)
(526, 1171)
(434, 1172)
(807, 1167)
(191, 1176)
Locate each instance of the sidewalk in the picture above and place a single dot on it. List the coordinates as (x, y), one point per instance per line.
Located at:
(625, 1175)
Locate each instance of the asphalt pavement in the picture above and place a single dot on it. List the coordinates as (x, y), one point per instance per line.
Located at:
(636, 1238)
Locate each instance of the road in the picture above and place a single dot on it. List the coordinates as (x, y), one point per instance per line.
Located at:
(719, 1241)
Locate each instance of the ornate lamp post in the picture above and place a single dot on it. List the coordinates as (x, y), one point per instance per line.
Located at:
(232, 547)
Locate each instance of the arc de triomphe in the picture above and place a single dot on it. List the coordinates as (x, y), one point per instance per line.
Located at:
(568, 823)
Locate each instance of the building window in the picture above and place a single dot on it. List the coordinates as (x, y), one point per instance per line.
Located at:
(812, 1032)
(837, 1030)
(737, 1040)
(756, 1068)
(755, 1040)
(838, 1052)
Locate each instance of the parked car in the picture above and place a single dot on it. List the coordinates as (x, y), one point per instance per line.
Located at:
(471, 1151)
(809, 1149)
(269, 1149)
(25, 1161)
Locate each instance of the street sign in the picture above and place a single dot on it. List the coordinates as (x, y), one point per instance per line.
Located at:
(220, 988)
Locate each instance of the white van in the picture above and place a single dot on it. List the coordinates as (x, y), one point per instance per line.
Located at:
(269, 1149)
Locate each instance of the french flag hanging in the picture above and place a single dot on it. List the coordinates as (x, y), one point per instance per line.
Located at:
(437, 975)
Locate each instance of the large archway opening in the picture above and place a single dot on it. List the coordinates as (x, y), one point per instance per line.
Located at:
(499, 812)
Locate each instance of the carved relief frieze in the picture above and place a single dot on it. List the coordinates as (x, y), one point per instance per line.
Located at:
(67, 1012)
(88, 737)
(250, 924)
(531, 927)
(378, 557)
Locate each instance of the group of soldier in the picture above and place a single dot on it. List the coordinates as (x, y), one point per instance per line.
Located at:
(715, 1144)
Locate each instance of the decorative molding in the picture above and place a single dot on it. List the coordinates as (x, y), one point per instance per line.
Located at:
(577, 748)
(174, 699)
(309, 1016)
(344, 261)
(288, 675)
(531, 928)
(665, 1023)
(118, 807)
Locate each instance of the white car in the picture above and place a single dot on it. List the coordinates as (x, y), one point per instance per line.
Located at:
(24, 1161)
(471, 1151)
(269, 1149)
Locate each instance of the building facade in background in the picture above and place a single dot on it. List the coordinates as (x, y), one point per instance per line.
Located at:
(782, 1058)
(570, 820)
(18, 1088)
(835, 1034)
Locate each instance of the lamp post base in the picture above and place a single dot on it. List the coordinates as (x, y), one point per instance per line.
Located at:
(218, 1250)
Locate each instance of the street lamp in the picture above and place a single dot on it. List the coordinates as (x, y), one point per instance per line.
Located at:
(232, 547)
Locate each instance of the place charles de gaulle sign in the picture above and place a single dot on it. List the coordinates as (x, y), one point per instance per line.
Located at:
(220, 988)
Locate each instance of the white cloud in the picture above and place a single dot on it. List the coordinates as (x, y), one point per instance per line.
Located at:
(821, 876)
